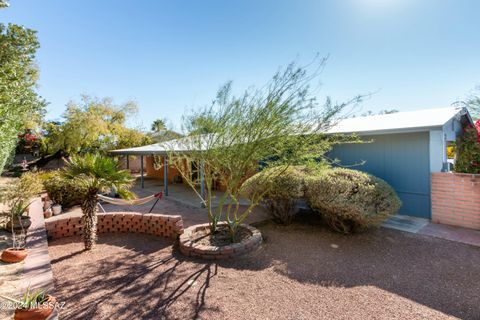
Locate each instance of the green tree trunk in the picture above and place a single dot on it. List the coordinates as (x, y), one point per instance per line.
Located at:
(89, 220)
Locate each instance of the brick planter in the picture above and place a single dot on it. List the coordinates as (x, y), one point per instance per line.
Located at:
(157, 224)
(189, 248)
(456, 199)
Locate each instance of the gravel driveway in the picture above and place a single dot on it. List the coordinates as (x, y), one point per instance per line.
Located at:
(301, 272)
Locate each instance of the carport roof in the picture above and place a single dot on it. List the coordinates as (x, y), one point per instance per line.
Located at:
(410, 121)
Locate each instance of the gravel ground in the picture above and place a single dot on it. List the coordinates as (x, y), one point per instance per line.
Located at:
(301, 272)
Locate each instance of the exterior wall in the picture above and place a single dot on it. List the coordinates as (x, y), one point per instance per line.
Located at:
(438, 151)
(456, 199)
(134, 163)
(402, 160)
(173, 174)
(156, 224)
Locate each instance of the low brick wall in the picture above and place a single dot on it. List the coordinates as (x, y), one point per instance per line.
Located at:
(156, 224)
(456, 199)
(189, 247)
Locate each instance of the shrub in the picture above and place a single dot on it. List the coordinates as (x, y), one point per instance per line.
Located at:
(349, 200)
(468, 150)
(62, 191)
(281, 187)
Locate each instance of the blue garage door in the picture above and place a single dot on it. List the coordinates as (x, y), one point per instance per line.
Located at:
(400, 159)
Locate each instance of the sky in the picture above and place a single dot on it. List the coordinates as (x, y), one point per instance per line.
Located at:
(172, 56)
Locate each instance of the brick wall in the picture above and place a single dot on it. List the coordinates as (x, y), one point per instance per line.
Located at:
(156, 224)
(456, 199)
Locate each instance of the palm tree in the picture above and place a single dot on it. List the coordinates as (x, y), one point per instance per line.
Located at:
(158, 125)
(94, 174)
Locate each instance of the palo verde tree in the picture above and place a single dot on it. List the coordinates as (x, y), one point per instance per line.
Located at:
(92, 174)
(19, 100)
(279, 124)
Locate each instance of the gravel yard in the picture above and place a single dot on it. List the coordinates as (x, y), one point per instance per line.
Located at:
(301, 272)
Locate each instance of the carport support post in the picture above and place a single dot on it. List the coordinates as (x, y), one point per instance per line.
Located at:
(141, 171)
(165, 174)
(202, 182)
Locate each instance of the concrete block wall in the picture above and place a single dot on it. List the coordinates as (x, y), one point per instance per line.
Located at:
(456, 199)
(156, 224)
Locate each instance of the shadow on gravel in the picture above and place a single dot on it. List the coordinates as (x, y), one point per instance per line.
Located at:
(437, 273)
(142, 277)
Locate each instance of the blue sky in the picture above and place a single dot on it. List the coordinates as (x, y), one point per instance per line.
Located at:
(171, 56)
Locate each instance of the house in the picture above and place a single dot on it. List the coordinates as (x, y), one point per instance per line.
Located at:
(402, 148)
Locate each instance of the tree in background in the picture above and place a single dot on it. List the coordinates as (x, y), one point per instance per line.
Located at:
(473, 103)
(279, 124)
(19, 101)
(93, 125)
(159, 125)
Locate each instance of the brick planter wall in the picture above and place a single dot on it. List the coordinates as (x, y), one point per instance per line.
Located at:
(157, 224)
(188, 246)
(456, 199)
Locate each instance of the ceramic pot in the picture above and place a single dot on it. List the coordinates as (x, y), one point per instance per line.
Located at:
(57, 209)
(12, 255)
(48, 213)
(41, 313)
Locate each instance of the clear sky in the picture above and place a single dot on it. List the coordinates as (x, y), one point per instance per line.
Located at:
(171, 56)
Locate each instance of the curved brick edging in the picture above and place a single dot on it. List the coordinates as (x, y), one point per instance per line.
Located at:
(192, 249)
(156, 224)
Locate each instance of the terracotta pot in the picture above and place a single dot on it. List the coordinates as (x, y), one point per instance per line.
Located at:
(47, 213)
(12, 255)
(25, 222)
(47, 204)
(40, 313)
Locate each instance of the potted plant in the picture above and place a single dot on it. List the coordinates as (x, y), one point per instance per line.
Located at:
(16, 195)
(17, 252)
(37, 305)
(19, 219)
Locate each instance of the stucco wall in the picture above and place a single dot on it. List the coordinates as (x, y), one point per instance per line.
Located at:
(134, 163)
(456, 199)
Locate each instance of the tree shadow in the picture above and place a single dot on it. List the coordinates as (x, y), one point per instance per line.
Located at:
(135, 281)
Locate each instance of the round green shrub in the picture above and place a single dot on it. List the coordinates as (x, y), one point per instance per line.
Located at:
(351, 200)
(278, 189)
(62, 191)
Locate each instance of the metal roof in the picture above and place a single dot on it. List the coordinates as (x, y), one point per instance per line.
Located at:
(410, 121)
(420, 120)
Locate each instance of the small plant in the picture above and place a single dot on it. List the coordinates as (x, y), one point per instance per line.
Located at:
(350, 200)
(33, 305)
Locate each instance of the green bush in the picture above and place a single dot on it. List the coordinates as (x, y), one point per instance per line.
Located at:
(60, 190)
(351, 200)
(279, 189)
(468, 151)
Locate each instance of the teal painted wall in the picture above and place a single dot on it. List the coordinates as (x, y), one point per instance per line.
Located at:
(400, 159)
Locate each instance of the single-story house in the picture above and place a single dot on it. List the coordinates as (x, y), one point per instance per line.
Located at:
(402, 148)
